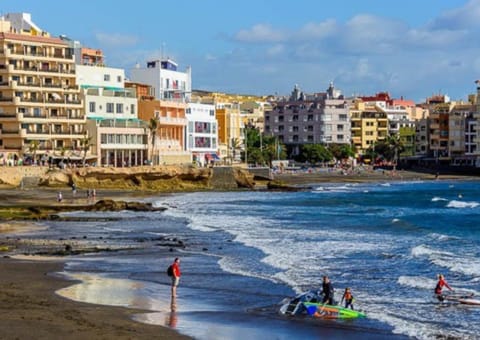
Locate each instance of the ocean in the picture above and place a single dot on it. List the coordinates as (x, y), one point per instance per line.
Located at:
(247, 251)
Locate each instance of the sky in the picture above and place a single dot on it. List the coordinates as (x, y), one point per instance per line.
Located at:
(410, 48)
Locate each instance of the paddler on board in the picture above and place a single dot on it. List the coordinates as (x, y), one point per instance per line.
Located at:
(438, 289)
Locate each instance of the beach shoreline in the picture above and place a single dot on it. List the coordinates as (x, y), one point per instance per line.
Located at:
(29, 297)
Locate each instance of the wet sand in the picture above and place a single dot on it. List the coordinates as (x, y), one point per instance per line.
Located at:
(30, 309)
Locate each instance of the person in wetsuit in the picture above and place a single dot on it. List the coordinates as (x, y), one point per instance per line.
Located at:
(327, 291)
(440, 284)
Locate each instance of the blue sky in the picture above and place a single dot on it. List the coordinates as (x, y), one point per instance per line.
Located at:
(410, 48)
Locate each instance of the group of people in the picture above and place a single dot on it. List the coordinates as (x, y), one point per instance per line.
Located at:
(327, 287)
(328, 294)
(347, 298)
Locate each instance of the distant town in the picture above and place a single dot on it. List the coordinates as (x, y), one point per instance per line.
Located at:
(61, 105)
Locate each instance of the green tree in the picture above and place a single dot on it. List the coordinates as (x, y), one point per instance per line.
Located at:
(85, 144)
(315, 153)
(33, 148)
(273, 149)
(152, 127)
(396, 146)
(235, 145)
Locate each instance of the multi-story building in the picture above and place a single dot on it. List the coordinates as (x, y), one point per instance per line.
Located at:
(231, 131)
(168, 137)
(202, 133)
(439, 130)
(253, 113)
(167, 83)
(118, 137)
(422, 140)
(41, 111)
(319, 119)
(369, 126)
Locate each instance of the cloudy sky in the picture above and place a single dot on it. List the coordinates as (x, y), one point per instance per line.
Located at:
(410, 48)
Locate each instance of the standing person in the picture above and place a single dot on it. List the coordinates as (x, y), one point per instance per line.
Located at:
(175, 275)
(327, 291)
(348, 298)
(440, 284)
(59, 196)
(74, 189)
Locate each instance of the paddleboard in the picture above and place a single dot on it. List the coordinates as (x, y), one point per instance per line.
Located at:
(320, 310)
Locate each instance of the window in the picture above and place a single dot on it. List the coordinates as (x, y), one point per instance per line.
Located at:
(109, 107)
(106, 77)
(132, 109)
(91, 107)
(119, 79)
(119, 108)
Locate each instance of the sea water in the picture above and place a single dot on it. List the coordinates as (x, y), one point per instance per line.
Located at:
(246, 251)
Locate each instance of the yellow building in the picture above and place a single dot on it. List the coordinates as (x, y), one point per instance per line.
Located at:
(230, 131)
(40, 108)
(369, 126)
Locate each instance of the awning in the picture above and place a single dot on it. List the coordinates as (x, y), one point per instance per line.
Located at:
(212, 157)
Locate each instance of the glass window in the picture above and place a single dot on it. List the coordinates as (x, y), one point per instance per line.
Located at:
(119, 108)
(91, 107)
(109, 107)
(106, 77)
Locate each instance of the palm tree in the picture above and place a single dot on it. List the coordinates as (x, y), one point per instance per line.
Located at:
(33, 148)
(396, 145)
(85, 147)
(236, 144)
(152, 127)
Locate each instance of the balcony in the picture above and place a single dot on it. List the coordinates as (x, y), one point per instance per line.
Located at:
(172, 121)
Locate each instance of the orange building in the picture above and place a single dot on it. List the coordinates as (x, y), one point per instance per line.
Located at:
(169, 140)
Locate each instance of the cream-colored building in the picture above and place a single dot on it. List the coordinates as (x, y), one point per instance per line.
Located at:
(118, 137)
(40, 107)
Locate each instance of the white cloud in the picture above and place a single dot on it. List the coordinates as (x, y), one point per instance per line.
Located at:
(260, 33)
(459, 18)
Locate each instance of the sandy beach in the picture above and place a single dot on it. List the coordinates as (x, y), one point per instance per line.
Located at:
(31, 310)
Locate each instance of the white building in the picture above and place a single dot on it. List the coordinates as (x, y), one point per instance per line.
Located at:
(119, 138)
(166, 81)
(202, 133)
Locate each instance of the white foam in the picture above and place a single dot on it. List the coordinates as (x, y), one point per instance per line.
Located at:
(464, 263)
(417, 282)
(462, 204)
(437, 199)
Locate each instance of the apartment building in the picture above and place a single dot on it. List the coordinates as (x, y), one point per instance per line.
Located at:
(166, 81)
(369, 126)
(169, 130)
(322, 118)
(231, 131)
(41, 113)
(118, 137)
(202, 133)
(460, 134)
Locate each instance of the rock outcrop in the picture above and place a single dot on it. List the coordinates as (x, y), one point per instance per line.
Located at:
(144, 178)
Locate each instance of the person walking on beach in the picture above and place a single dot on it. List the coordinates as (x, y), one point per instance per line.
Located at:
(440, 284)
(175, 275)
(348, 298)
(327, 291)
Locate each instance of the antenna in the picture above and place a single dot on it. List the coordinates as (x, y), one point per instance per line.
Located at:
(163, 48)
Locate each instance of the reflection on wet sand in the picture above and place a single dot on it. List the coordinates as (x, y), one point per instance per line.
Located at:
(172, 318)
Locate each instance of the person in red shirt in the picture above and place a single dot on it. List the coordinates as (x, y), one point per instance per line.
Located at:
(440, 284)
(176, 275)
